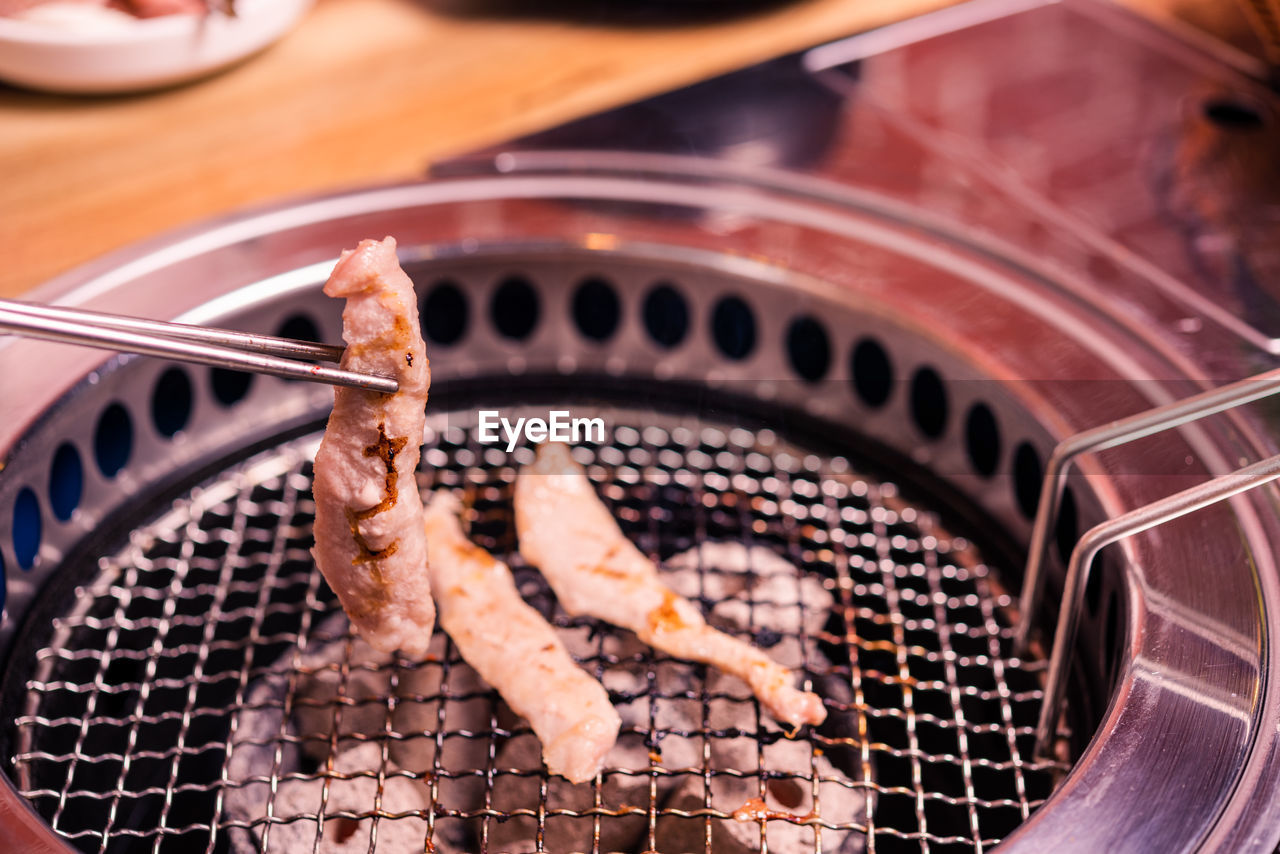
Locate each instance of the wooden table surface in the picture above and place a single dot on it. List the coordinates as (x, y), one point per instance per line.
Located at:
(367, 91)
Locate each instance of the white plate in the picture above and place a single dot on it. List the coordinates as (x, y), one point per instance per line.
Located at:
(99, 54)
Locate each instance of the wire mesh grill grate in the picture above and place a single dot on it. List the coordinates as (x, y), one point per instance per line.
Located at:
(204, 693)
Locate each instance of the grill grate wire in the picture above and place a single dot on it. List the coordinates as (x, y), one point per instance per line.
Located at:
(135, 708)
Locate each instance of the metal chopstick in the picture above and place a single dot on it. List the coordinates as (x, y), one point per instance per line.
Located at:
(246, 341)
(222, 348)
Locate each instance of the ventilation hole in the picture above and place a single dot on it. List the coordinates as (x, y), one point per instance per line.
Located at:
(1093, 590)
(1111, 637)
(929, 402)
(808, 348)
(113, 440)
(171, 402)
(982, 440)
(1027, 474)
(666, 316)
(872, 373)
(514, 309)
(26, 528)
(300, 327)
(1231, 114)
(229, 387)
(596, 309)
(1067, 531)
(734, 327)
(445, 314)
(66, 481)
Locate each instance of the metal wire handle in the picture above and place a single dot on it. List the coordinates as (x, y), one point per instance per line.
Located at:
(221, 348)
(1112, 435)
(1100, 536)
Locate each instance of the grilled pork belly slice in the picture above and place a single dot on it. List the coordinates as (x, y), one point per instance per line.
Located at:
(668, 717)
(566, 531)
(515, 649)
(370, 543)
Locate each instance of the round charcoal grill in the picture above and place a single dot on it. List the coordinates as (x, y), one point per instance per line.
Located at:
(930, 713)
(830, 424)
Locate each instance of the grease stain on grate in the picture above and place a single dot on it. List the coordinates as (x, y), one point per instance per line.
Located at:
(203, 692)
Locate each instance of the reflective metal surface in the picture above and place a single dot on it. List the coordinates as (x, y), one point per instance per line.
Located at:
(1113, 435)
(1043, 244)
(1135, 521)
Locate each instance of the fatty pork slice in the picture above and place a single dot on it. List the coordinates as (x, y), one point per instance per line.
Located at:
(516, 650)
(567, 531)
(370, 543)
